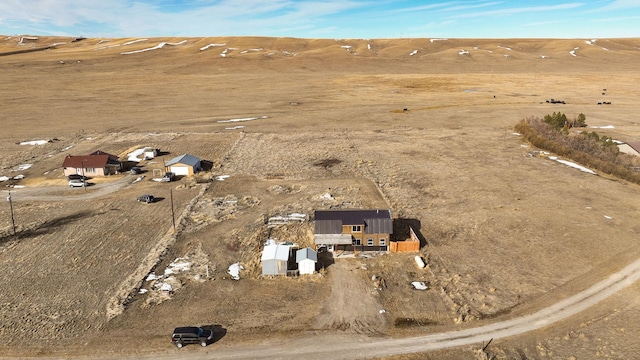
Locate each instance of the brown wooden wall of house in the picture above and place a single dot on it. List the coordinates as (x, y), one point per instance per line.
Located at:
(347, 229)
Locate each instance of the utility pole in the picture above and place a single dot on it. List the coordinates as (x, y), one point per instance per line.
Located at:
(13, 221)
(84, 179)
(173, 216)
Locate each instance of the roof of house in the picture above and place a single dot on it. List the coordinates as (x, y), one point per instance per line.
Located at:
(377, 221)
(332, 239)
(276, 252)
(306, 253)
(185, 159)
(100, 152)
(635, 145)
(87, 161)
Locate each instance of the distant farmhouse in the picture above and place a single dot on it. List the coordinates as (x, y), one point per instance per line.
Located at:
(183, 165)
(353, 230)
(98, 163)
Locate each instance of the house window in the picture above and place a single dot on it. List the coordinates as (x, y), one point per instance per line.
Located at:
(370, 242)
(383, 241)
(356, 228)
(90, 170)
(357, 241)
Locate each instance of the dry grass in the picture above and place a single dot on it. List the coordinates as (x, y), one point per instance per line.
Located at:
(506, 232)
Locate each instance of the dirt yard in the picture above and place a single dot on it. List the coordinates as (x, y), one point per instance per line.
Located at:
(300, 126)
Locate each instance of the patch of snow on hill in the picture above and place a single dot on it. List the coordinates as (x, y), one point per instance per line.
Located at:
(432, 40)
(506, 48)
(210, 45)
(573, 52)
(34, 142)
(369, 46)
(159, 46)
(573, 165)
(243, 119)
(544, 56)
(250, 50)
(463, 52)
(134, 41)
(413, 52)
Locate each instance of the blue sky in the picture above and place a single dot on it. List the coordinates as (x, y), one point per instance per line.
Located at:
(366, 19)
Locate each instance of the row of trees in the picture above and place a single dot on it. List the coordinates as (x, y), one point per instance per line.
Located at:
(560, 121)
(587, 148)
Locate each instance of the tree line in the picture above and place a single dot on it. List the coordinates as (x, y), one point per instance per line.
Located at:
(551, 133)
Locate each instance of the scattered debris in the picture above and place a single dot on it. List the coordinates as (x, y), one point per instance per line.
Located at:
(283, 220)
(234, 271)
(419, 285)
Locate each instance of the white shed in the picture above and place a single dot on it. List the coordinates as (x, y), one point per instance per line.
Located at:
(306, 259)
(275, 259)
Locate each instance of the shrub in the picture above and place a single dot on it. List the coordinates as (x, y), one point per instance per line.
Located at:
(587, 148)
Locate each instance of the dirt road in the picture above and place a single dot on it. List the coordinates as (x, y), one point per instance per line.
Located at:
(63, 193)
(359, 346)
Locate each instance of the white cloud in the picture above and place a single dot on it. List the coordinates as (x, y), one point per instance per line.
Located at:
(162, 18)
(622, 4)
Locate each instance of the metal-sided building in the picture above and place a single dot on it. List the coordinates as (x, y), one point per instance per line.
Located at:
(183, 165)
(275, 259)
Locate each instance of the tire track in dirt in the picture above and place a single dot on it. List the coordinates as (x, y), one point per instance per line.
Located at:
(351, 347)
(117, 302)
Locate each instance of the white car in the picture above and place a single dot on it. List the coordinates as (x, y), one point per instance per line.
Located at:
(77, 183)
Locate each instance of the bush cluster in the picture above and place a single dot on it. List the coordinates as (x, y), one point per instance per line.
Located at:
(587, 148)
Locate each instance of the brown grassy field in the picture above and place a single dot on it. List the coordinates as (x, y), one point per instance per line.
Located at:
(428, 135)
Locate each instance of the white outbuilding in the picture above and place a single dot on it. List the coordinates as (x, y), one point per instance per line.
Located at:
(306, 259)
(275, 259)
(184, 165)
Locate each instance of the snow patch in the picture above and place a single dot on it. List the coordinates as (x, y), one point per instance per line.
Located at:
(34, 142)
(243, 119)
(159, 46)
(432, 40)
(134, 41)
(463, 52)
(573, 52)
(573, 165)
(210, 45)
(413, 52)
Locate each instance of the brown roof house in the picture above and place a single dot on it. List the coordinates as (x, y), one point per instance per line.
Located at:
(98, 163)
(631, 148)
(351, 230)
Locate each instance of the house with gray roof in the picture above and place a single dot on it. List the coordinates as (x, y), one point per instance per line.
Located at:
(353, 229)
(183, 165)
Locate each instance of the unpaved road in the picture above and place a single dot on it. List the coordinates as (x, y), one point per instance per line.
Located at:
(358, 346)
(58, 193)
